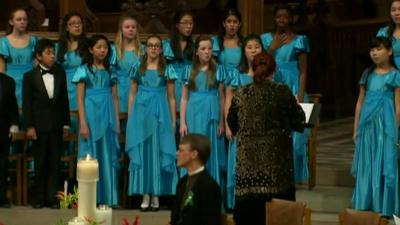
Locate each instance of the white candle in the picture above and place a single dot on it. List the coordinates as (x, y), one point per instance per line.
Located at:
(65, 188)
(76, 221)
(104, 215)
(87, 175)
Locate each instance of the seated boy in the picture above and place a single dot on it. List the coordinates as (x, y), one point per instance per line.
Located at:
(198, 196)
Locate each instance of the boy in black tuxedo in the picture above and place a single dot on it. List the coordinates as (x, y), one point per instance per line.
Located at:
(198, 196)
(9, 119)
(46, 114)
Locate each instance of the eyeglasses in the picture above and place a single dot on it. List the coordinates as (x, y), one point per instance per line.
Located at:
(73, 24)
(154, 46)
(186, 23)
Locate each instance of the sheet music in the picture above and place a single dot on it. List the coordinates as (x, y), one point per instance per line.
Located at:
(307, 108)
(396, 219)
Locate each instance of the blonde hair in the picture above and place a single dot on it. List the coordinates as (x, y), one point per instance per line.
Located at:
(119, 39)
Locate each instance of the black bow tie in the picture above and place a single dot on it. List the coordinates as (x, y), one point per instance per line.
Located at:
(43, 71)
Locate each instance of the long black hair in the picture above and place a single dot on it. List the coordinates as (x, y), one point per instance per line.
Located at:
(64, 37)
(375, 43)
(176, 37)
(89, 59)
(392, 24)
(222, 30)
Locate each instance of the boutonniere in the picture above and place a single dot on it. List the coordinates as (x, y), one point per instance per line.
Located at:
(189, 200)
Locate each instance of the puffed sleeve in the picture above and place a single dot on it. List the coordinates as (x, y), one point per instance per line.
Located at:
(221, 74)
(383, 31)
(134, 71)
(301, 44)
(167, 50)
(32, 42)
(113, 55)
(233, 78)
(186, 74)
(266, 40)
(113, 78)
(215, 45)
(364, 77)
(4, 47)
(170, 73)
(394, 80)
(80, 74)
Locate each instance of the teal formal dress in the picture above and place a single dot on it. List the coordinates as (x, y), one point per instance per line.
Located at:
(395, 44)
(238, 79)
(229, 58)
(179, 67)
(375, 163)
(72, 60)
(203, 117)
(102, 143)
(121, 67)
(286, 58)
(18, 61)
(150, 140)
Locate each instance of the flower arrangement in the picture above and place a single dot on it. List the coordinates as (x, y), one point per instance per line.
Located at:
(135, 221)
(189, 199)
(68, 200)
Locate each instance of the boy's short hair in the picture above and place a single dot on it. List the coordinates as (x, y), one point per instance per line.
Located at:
(41, 46)
(200, 143)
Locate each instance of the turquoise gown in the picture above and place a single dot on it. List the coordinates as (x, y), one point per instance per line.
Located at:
(150, 140)
(121, 68)
(238, 80)
(72, 60)
(395, 44)
(287, 60)
(18, 61)
(102, 143)
(227, 57)
(203, 116)
(179, 67)
(375, 165)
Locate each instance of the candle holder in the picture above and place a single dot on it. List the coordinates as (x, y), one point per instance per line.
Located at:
(76, 221)
(104, 215)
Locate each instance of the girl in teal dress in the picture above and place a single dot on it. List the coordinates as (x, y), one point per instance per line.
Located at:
(227, 45)
(98, 117)
(126, 51)
(290, 52)
(178, 50)
(203, 103)
(70, 50)
(376, 122)
(251, 46)
(150, 141)
(16, 50)
(392, 31)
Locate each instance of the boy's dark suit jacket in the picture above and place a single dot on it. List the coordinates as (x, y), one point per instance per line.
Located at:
(206, 207)
(8, 106)
(40, 112)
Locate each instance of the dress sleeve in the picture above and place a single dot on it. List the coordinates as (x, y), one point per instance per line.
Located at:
(233, 78)
(186, 74)
(170, 73)
(394, 80)
(221, 74)
(266, 40)
(80, 74)
(4, 48)
(167, 50)
(364, 77)
(113, 56)
(113, 77)
(215, 46)
(32, 42)
(134, 71)
(301, 44)
(383, 31)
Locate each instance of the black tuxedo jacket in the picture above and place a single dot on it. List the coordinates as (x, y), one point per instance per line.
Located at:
(8, 106)
(41, 112)
(206, 207)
